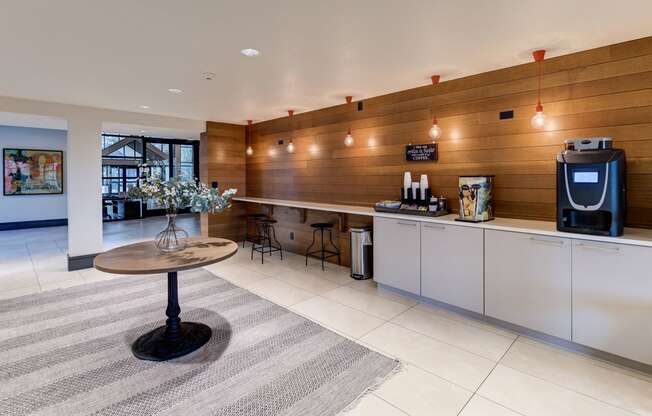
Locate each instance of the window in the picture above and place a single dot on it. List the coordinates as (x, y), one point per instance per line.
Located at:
(158, 157)
(120, 159)
(118, 179)
(122, 155)
(184, 161)
(115, 147)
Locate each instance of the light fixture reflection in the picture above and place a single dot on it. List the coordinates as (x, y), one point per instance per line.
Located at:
(290, 147)
(250, 151)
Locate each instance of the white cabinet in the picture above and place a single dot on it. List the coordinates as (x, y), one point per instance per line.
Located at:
(612, 298)
(396, 254)
(452, 265)
(528, 281)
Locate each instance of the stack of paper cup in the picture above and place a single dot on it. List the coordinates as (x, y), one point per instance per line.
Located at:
(423, 184)
(415, 190)
(407, 181)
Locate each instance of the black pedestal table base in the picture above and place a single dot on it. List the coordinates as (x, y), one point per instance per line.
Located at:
(176, 338)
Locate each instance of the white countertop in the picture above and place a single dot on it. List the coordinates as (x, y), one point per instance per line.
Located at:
(632, 236)
(345, 209)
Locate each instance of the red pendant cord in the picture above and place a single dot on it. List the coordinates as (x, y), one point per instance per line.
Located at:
(539, 87)
(249, 125)
(538, 56)
(349, 100)
(435, 81)
(290, 114)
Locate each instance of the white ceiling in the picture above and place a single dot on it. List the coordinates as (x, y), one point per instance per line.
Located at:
(121, 54)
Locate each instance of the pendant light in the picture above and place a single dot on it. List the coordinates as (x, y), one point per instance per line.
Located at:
(539, 119)
(250, 150)
(348, 139)
(290, 147)
(435, 130)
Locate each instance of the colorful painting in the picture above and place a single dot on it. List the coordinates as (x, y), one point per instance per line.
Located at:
(32, 172)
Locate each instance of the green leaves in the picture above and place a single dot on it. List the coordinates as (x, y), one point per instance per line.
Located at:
(177, 193)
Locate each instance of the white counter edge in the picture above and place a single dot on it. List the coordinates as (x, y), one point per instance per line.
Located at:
(633, 236)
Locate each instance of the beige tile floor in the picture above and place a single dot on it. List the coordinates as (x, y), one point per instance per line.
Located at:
(452, 365)
(36, 259)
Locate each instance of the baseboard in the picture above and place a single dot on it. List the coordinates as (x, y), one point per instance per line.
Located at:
(81, 262)
(20, 225)
(549, 339)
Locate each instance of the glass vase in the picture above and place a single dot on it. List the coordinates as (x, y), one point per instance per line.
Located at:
(172, 238)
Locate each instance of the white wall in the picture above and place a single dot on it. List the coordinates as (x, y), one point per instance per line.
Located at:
(33, 207)
(84, 190)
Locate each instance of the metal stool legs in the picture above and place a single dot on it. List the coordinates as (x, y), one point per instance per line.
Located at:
(266, 242)
(323, 253)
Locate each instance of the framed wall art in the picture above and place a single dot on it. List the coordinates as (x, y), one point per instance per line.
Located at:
(32, 172)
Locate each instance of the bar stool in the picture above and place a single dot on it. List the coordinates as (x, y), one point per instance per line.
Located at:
(252, 219)
(263, 243)
(323, 253)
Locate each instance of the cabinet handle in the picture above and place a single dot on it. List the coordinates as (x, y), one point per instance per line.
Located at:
(546, 241)
(597, 247)
(435, 227)
(411, 224)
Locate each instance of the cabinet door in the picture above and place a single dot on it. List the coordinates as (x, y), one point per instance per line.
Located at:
(452, 265)
(396, 254)
(612, 298)
(528, 281)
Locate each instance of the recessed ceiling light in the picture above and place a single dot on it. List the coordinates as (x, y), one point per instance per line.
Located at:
(144, 107)
(174, 91)
(250, 52)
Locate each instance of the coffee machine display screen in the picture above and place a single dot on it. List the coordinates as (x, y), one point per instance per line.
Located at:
(585, 177)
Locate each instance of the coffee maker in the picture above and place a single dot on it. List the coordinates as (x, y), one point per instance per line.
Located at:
(591, 187)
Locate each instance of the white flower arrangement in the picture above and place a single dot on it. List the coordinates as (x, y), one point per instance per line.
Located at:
(177, 193)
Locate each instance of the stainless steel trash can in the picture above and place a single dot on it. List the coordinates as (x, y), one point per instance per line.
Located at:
(361, 253)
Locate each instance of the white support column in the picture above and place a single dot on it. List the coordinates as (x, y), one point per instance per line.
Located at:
(84, 190)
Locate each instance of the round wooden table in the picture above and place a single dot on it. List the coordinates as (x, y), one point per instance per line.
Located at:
(176, 338)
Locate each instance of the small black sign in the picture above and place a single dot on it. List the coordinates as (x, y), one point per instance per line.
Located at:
(420, 152)
(505, 115)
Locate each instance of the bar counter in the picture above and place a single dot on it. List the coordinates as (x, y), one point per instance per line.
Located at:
(632, 236)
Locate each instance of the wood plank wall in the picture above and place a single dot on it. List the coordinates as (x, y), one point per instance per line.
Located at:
(600, 92)
(222, 159)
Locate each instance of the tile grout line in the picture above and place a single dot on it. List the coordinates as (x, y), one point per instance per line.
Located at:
(449, 344)
(489, 374)
(340, 303)
(571, 389)
(31, 260)
(385, 321)
(469, 321)
(425, 370)
(391, 404)
(498, 404)
(591, 360)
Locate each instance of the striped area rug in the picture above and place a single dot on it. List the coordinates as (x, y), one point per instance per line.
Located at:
(67, 352)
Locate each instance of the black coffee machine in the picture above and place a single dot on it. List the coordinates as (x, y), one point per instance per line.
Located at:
(591, 187)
